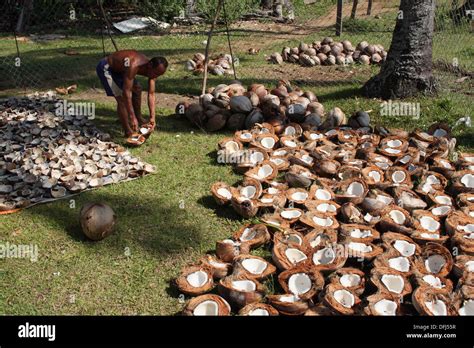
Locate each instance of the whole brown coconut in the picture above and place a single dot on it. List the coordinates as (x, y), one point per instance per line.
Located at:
(97, 220)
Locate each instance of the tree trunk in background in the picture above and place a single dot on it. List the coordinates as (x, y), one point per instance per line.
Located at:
(354, 9)
(24, 17)
(369, 8)
(339, 18)
(408, 68)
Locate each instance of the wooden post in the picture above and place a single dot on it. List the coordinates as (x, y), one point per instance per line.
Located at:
(369, 8)
(339, 18)
(354, 8)
(208, 44)
(228, 39)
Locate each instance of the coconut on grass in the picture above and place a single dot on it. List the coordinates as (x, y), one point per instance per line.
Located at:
(97, 220)
(207, 305)
(195, 280)
(221, 193)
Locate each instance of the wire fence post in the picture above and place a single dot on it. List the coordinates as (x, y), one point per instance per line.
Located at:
(339, 18)
(369, 8)
(208, 44)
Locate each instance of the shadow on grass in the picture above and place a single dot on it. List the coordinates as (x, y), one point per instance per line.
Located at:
(223, 212)
(142, 220)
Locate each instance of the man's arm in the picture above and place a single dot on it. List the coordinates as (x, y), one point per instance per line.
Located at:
(151, 101)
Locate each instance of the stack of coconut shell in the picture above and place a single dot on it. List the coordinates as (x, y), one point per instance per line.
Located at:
(359, 221)
(330, 52)
(46, 156)
(235, 107)
(219, 65)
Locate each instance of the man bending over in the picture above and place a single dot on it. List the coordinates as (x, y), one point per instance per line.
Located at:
(117, 72)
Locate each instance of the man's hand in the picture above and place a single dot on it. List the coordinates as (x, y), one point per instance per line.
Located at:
(134, 124)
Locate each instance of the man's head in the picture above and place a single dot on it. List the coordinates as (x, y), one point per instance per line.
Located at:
(157, 66)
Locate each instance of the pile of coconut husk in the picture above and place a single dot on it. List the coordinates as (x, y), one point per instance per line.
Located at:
(330, 52)
(235, 107)
(359, 220)
(46, 156)
(219, 65)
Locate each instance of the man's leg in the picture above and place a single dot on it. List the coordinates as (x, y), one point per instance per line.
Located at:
(278, 8)
(137, 102)
(290, 11)
(123, 116)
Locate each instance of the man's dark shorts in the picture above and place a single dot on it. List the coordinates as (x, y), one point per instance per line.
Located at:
(112, 81)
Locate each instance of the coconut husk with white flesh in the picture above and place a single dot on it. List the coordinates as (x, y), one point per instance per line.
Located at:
(254, 235)
(252, 267)
(389, 280)
(288, 304)
(392, 259)
(46, 156)
(463, 264)
(327, 257)
(227, 249)
(340, 299)
(382, 304)
(301, 281)
(207, 305)
(240, 290)
(429, 301)
(401, 244)
(440, 284)
(400, 202)
(435, 259)
(219, 268)
(350, 278)
(258, 309)
(195, 280)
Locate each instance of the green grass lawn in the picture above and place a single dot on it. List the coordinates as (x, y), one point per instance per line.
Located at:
(168, 219)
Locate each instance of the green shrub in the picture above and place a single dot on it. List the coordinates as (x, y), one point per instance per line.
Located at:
(234, 9)
(163, 10)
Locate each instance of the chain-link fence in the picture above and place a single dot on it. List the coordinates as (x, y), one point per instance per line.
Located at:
(46, 43)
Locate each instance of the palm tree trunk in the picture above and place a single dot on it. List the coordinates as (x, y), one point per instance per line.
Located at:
(408, 68)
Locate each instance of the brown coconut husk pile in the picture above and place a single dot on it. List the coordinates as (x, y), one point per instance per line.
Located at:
(330, 52)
